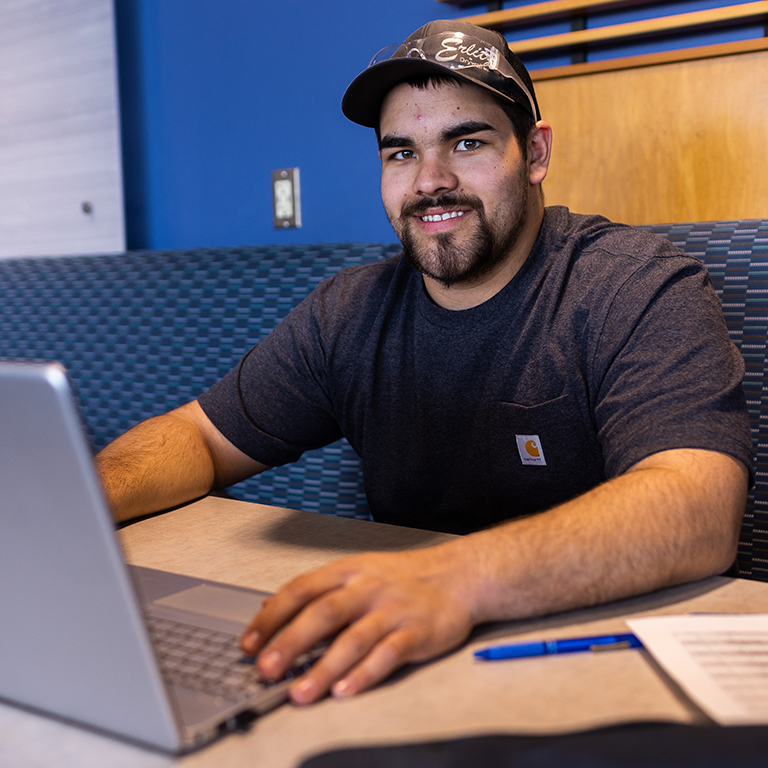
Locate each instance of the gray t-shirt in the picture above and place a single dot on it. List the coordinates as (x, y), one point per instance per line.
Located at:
(608, 345)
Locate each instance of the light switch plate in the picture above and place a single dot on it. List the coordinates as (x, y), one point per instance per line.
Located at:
(286, 198)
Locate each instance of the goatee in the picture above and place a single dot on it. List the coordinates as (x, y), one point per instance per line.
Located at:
(446, 257)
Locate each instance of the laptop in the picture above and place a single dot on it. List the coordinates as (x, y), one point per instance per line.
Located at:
(84, 636)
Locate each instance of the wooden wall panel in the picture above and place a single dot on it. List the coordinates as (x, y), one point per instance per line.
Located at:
(682, 141)
(59, 129)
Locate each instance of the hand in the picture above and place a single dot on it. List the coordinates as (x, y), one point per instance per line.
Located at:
(388, 610)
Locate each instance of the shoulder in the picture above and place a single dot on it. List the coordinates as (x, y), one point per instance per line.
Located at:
(339, 315)
(604, 260)
(598, 279)
(610, 243)
(362, 277)
(355, 285)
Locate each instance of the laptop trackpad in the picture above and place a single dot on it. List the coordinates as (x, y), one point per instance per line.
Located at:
(211, 600)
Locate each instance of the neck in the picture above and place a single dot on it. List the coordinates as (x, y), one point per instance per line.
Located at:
(466, 295)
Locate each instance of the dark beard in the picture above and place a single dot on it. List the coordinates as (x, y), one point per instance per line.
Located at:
(484, 250)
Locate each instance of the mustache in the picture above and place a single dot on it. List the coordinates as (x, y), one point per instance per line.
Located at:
(448, 200)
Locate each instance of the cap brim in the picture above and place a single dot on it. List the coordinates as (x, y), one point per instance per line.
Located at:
(362, 100)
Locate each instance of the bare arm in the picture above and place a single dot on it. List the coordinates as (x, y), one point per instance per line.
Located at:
(168, 460)
(672, 518)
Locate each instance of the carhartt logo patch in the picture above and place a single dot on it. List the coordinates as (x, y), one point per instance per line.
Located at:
(529, 447)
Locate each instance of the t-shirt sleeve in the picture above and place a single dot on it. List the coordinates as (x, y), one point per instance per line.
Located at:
(670, 377)
(275, 404)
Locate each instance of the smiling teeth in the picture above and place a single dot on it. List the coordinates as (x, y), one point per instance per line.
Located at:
(443, 216)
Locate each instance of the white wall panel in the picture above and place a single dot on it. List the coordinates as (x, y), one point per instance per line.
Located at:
(59, 129)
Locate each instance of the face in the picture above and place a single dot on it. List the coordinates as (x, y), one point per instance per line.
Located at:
(454, 182)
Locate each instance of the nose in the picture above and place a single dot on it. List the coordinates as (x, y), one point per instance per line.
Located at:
(434, 177)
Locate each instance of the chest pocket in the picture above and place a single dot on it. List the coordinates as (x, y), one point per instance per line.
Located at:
(541, 455)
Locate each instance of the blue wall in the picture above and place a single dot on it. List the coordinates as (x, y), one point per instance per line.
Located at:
(217, 93)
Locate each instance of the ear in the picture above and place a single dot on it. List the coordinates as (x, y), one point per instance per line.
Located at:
(539, 151)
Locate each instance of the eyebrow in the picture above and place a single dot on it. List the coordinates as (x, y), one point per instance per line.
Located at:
(464, 129)
(392, 141)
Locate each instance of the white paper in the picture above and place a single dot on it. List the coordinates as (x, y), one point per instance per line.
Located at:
(720, 661)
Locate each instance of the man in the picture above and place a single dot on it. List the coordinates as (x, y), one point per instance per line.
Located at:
(558, 388)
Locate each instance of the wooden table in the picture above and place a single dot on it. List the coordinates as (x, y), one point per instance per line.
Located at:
(262, 547)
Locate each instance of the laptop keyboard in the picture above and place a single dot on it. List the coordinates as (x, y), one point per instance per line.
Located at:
(210, 661)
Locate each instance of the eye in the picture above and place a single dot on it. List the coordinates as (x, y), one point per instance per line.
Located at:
(403, 154)
(467, 145)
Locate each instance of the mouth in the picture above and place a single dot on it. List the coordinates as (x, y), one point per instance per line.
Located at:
(439, 215)
(432, 217)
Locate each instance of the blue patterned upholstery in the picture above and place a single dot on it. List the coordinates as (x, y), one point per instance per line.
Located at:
(143, 332)
(736, 255)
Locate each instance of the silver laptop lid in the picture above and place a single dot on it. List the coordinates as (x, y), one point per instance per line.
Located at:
(72, 641)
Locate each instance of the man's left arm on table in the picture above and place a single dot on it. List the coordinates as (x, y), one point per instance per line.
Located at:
(673, 517)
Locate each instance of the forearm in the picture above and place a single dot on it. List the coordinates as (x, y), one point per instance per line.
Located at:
(672, 519)
(157, 464)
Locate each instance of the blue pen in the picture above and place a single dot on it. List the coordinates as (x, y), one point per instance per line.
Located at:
(571, 645)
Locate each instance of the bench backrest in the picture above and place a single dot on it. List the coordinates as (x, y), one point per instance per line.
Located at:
(143, 332)
(736, 255)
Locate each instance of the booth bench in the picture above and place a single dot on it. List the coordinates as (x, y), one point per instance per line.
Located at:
(143, 332)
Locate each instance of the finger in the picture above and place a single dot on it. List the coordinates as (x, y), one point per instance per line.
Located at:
(346, 651)
(322, 618)
(394, 650)
(278, 610)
